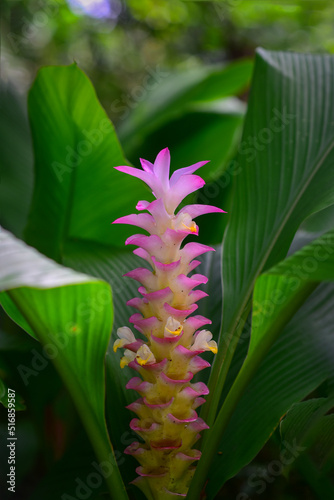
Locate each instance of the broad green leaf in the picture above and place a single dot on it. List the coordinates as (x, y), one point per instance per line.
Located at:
(173, 95)
(71, 315)
(321, 443)
(193, 136)
(278, 287)
(312, 426)
(110, 265)
(77, 191)
(301, 416)
(319, 222)
(286, 158)
(295, 366)
(278, 294)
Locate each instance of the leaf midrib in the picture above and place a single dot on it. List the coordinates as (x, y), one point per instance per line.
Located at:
(67, 214)
(262, 261)
(282, 225)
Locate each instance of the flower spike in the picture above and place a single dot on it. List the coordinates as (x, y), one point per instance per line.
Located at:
(169, 358)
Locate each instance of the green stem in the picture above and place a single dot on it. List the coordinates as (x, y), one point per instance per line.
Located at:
(220, 370)
(247, 372)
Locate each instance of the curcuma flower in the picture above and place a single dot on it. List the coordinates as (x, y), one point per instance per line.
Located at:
(168, 358)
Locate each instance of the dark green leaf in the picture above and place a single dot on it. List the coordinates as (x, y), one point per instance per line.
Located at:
(77, 192)
(18, 403)
(16, 161)
(195, 136)
(298, 362)
(277, 295)
(286, 159)
(71, 314)
(311, 425)
(173, 94)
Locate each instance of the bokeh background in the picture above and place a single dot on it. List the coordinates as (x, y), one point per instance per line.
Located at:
(114, 41)
(138, 52)
(124, 46)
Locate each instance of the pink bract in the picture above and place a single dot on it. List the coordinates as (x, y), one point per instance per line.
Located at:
(169, 357)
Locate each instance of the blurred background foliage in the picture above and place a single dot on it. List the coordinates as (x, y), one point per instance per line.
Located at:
(141, 56)
(117, 42)
(148, 61)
